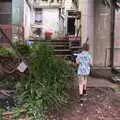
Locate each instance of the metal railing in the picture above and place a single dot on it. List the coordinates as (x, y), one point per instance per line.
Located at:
(47, 4)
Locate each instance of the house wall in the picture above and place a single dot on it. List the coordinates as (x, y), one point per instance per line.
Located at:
(83, 6)
(27, 20)
(68, 4)
(17, 11)
(46, 3)
(96, 25)
(117, 39)
(102, 34)
(32, 17)
(51, 21)
(17, 18)
(61, 26)
(87, 22)
(21, 16)
(90, 25)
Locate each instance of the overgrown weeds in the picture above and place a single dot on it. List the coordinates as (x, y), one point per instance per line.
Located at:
(43, 87)
(7, 52)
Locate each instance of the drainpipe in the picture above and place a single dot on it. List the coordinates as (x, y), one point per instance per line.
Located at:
(112, 35)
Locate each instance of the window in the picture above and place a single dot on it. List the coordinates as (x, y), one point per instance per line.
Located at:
(38, 15)
(5, 12)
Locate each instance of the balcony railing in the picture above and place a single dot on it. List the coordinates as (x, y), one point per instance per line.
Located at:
(47, 4)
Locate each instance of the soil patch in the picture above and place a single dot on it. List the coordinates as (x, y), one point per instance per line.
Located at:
(102, 103)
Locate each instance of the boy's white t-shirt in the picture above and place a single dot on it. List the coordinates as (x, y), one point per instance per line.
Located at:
(84, 60)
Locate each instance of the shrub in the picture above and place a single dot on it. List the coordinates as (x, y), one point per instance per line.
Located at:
(44, 87)
(1, 112)
(7, 52)
(22, 49)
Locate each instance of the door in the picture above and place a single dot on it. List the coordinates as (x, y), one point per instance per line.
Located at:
(71, 26)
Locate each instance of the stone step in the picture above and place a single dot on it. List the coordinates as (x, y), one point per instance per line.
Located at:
(60, 46)
(116, 69)
(75, 47)
(58, 43)
(116, 79)
(62, 51)
(58, 40)
(67, 55)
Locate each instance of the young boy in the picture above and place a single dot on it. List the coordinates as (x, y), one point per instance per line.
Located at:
(84, 62)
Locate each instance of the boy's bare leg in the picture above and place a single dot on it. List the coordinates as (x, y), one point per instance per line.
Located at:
(85, 84)
(81, 81)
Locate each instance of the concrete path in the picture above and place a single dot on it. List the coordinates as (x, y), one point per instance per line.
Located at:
(98, 82)
(101, 103)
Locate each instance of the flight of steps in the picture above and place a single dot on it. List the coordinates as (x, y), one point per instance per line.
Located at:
(64, 48)
(61, 48)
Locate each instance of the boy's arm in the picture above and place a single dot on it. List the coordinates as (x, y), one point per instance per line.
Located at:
(91, 61)
(78, 60)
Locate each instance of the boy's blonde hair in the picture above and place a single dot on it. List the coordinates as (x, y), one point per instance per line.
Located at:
(85, 47)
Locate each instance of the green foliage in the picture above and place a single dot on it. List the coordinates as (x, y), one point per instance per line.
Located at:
(7, 52)
(44, 87)
(22, 49)
(18, 111)
(7, 83)
(1, 112)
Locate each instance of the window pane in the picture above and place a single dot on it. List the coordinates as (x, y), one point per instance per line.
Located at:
(38, 16)
(5, 18)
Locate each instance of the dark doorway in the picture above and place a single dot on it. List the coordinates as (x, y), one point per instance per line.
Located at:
(5, 12)
(71, 26)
